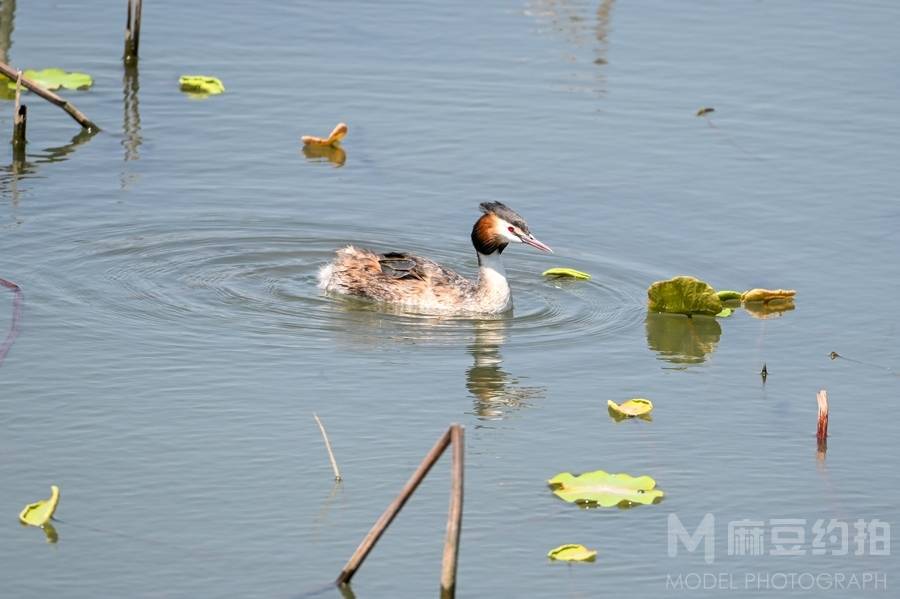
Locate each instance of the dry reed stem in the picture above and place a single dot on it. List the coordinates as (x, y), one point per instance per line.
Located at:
(454, 515)
(334, 466)
(822, 429)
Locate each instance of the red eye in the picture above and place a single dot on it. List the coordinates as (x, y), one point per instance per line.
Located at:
(511, 229)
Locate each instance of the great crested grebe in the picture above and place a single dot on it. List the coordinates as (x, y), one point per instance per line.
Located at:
(421, 285)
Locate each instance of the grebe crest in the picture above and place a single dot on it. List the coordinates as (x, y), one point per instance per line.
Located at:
(420, 285)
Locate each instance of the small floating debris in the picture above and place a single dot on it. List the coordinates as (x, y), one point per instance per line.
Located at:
(768, 295)
(40, 512)
(53, 79)
(764, 373)
(631, 408)
(601, 489)
(201, 84)
(703, 111)
(567, 272)
(572, 553)
(337, 134)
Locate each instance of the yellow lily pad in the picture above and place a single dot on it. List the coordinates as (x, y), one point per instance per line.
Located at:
(599, 488)
(573, 553)
(201, 84)
(768, 295)
(40, 512)
(567, 272)
(633, 407)
(683, 295)
(337, 134)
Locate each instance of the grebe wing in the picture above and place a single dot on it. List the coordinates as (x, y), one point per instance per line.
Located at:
(400, 265)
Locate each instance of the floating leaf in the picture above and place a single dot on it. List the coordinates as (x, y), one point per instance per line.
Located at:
(768, 295)
(683, 295)
(726, 295)
(337, 134)
(725, 313)
(703, 111)
(573, 553)
(201, 84)
(56, 78)
(40, 512)
(567, 272)
(631, 407)
(602, 489)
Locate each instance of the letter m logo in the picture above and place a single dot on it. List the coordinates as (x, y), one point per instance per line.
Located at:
(705, 533)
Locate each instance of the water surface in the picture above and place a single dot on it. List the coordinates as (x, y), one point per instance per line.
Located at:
(173, 346)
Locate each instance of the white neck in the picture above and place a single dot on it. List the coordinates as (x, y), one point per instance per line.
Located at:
(492, 285)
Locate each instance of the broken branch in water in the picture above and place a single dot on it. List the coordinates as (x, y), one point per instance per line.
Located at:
(70, 109)
(334, 466)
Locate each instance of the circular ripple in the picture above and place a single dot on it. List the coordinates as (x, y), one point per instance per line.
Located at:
(260, 279)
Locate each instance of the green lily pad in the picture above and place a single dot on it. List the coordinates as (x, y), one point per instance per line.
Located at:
(201, 84)
(602, 489)
(53, 79)
(567, 272)
(40, 512)
(727, 294)
(683, 295)
(573, 553)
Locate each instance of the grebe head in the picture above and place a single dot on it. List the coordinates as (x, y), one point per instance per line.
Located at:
(500, 226)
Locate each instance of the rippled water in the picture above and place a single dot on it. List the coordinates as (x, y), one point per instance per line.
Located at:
(169, 344)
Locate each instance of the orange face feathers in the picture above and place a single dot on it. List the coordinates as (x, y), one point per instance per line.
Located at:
(486, 235)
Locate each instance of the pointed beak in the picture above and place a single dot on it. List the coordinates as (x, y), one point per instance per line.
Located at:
(530, 240)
